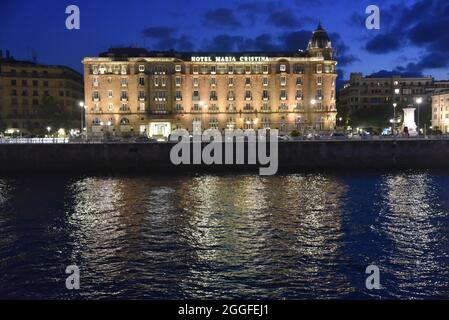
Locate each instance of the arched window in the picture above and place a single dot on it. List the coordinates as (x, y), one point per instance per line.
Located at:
(124, 121)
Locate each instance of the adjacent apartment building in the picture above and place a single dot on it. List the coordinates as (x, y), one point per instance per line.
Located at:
(372, 92)
(132, 91)
(25, 87)
(440, 110)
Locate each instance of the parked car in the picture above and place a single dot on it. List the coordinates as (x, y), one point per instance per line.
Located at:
(338, 135)
(144, 139)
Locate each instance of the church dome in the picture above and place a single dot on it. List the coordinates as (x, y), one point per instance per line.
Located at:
(320, 39)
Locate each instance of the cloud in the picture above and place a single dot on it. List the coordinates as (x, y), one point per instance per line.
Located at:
(221, 17)
(293, 41)
(422, 24)
(225, 42)
(283, 19)
(166, 38)
(384, 43)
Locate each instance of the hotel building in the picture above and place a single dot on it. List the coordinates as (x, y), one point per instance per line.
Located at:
(134, 91)
(26, 86)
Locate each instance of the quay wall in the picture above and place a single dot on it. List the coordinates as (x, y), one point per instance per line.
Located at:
(292, 155)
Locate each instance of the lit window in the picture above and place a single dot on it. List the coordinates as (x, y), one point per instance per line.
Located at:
(283, 67)
(178, 68)
(141, 68)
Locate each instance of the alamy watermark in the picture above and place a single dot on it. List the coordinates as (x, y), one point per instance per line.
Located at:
(73, 20)
(373, 20)
(72, 282)
(373, 280)
(190, 150)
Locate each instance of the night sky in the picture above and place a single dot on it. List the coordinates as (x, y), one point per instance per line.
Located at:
(413, 38)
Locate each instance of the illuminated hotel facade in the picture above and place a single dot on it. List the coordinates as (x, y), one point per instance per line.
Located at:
(133, 91)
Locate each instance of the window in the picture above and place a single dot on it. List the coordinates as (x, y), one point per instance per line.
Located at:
(265, 107)
(230, 69)
(141, 68)
(247, 69)
(283, 68)
(141, 95)
(213, 95)
(95, 69)
(213, 69)
(110, 107)
(178, 68)
(178, 81)
(265, 69)
(247, 81)
(34, 83)
(319, 80)
(45, 83)
(265, 81)
(283, 94)
(247, 94)
(195, 69)
(231, 95)
(13, 82)
(163, 81)
(95, 81)
(95, 96)
(283, 81)
(196, 95)
(319, 68)
(141, 81)
(142, 106)
(299, 68)
(124, 95)
(178, 95)
(230, 82)
(124, 82)
(156, 81)
(213, 81)
(123, 69)
(265, 95)
(298, 81)
(195, 82)
(110, 93)
(179, 107)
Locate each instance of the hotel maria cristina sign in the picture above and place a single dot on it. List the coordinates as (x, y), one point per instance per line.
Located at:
(229, 59)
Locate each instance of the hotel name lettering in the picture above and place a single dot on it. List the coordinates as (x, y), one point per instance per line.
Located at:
(230, 59)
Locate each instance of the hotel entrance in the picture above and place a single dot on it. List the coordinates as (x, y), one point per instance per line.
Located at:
(159, 129)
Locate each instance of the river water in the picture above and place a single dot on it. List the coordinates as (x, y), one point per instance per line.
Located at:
(291, 236)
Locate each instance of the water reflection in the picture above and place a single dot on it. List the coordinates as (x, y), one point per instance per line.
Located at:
(408, 221)
(225, 236)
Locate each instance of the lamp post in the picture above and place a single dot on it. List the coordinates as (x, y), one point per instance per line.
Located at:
(394, 118)
(48, 130)
(418, 102)
(82, 118)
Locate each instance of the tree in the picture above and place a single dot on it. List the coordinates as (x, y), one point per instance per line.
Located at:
(53, 114)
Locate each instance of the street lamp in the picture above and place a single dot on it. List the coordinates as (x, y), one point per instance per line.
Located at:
(81, 104)
(48, 130)
(418, 102)
(394, 118)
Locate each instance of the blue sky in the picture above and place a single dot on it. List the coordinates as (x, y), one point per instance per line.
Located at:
(413, 37)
